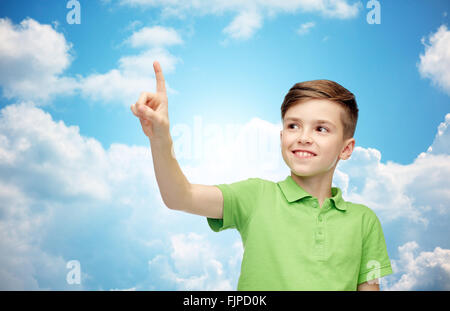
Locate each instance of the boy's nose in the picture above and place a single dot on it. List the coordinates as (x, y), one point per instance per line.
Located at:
(304, 138)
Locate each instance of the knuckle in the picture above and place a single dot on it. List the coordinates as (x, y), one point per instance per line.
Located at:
(143, 97)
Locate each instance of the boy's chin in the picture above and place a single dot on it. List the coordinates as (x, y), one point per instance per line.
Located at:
(302, 173)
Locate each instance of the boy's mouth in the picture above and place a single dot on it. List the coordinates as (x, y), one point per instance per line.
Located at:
(303, 154)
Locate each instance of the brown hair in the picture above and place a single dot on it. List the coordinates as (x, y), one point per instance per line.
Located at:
(325, 89)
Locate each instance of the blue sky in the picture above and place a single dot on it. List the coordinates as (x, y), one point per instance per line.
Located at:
(77, 177)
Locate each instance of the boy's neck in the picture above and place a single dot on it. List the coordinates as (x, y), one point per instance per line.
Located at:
(318, 186)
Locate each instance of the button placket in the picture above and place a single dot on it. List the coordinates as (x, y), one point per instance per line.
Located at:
(319, 234)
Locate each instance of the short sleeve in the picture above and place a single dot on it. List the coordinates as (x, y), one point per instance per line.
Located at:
(239, 199)
(375, 261)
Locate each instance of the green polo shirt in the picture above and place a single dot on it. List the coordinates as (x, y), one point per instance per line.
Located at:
(290, 243)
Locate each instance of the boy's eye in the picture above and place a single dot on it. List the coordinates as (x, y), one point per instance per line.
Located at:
(290, 125)
(322, 128)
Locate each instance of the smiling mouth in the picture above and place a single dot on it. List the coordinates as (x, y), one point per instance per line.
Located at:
(303, 155)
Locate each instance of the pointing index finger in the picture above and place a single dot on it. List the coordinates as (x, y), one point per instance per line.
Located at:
(160, 83)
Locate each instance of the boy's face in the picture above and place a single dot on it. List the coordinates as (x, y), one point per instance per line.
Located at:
(302, 130)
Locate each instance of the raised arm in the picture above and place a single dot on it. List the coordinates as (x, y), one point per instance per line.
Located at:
(176, 191)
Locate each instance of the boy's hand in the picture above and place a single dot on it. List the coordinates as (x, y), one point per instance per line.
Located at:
(152, 108)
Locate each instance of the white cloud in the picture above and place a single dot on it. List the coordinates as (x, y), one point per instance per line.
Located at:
(195, 266)
(305, 28)
(441, 143)
(23, 264)
(156, 36)
(32, 58)
(51, 177)
(135, 73)
(249, 14)
(398, 191)
(414, 191)
(340, 8)
(244, 25)
(435, 62)
(39, 146)
(424, 271)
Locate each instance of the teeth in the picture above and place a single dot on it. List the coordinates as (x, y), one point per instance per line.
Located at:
(303, 154)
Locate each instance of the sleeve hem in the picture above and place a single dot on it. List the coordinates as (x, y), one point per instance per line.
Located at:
(223, 223)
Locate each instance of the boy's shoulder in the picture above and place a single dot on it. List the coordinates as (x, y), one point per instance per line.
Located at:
(362, 210)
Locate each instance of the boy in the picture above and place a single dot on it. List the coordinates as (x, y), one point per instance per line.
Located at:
(299, 233)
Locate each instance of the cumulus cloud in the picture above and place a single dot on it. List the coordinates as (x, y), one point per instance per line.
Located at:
(244, 25)
(414, 191)
(441, 143)
(435, 62)
(57, 189)
(154, 36)
(422, 271)
(398, 191)
(250, 14)
(33, 58)
(135, 73)
(32, 141)
(193, 264)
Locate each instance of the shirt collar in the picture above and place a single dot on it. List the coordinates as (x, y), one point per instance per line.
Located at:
(293, 192)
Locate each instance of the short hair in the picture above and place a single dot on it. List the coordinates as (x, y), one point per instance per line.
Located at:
(325, 89)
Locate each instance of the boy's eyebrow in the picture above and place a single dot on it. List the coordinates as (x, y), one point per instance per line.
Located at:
(317, 121)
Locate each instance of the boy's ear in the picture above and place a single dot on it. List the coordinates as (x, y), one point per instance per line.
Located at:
(348, 149)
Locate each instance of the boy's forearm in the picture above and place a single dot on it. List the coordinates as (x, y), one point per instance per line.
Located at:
(173, 185)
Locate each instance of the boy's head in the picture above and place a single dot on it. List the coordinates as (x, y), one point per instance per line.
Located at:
(305, 107)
